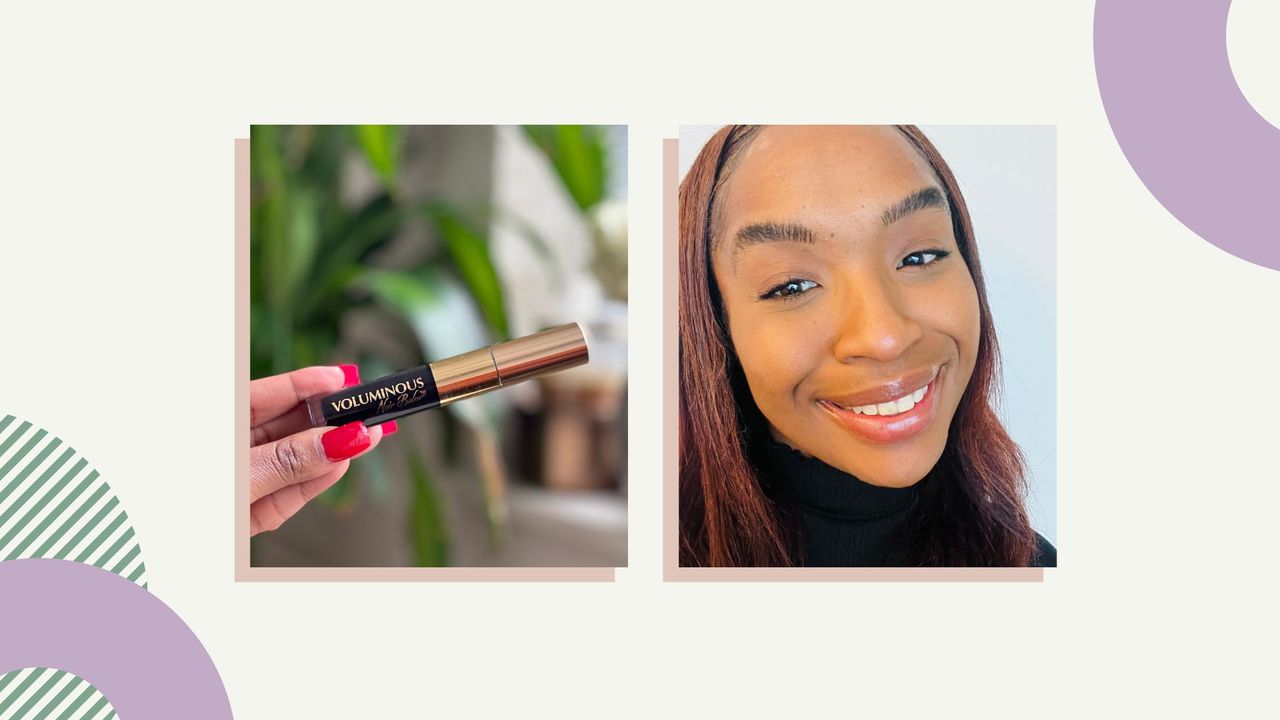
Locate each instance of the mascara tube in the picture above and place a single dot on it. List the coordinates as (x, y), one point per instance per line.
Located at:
(442, 382)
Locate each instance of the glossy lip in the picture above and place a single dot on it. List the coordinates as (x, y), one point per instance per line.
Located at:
(891, 428)
(891, 390)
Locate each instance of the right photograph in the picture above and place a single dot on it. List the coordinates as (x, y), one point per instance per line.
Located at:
(867, 329)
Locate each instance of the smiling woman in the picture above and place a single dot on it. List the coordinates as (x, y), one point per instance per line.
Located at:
(838, 360)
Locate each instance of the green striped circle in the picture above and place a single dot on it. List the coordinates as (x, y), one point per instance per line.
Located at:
(44, 694)
(53, 505)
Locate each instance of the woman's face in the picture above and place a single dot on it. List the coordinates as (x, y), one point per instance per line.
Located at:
(852, 313)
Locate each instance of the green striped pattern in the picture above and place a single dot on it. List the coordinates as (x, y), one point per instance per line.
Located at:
(53, 505)
(44, 694)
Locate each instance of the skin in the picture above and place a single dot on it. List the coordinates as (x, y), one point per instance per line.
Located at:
(867, 303)
(287, 463)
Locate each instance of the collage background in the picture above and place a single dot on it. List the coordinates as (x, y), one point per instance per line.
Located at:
(118, 219)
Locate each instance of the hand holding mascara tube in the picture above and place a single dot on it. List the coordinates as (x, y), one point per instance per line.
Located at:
(307, 425)
(289, 461)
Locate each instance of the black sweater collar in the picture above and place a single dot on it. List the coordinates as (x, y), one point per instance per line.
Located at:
(817, 486)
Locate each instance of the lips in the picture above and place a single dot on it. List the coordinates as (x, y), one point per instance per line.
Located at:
(884, 392)
(892, 407)
(891, 412)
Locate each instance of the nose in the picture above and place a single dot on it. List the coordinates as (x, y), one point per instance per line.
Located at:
(874, 324)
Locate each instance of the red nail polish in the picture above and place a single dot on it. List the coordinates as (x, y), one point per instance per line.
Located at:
(346, 441)
(350, 375)
(389, 428)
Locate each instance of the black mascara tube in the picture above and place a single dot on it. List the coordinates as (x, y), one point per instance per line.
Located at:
(442, 382)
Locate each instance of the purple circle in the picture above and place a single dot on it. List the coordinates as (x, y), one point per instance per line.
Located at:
(1186, 128)
(116, 636)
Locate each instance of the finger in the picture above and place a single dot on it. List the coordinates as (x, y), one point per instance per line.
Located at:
(270, 512)
(306, 455)
(271, 397)
(293, 421)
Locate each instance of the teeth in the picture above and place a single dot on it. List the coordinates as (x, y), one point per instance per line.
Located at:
(892, 407)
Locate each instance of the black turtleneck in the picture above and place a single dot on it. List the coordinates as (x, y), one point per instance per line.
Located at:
(845, 522)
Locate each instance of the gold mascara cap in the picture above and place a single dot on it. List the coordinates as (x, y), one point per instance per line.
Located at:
(508, 363)
(546, 352)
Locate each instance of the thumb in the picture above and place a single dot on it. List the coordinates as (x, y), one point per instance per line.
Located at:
(305, 456)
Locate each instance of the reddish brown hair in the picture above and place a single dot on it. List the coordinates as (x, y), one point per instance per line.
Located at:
(970, 511)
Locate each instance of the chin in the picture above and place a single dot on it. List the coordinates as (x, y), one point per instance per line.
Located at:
(893, 479)
(895, 470)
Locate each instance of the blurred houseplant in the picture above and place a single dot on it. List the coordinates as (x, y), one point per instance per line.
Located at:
(579, 154)
(315, 260)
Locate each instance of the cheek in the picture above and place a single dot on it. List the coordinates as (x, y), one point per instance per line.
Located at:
(954, 312)
(777, 351)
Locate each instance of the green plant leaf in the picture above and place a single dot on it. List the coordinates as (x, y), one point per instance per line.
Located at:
(381, 146)
(324, 153)
(370, 228)
(302, 236)
(469, 250)
(266, 168)
(408, 294)
(426, 517)
(578, 154)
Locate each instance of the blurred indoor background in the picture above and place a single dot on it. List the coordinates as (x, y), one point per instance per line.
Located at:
(390, 246)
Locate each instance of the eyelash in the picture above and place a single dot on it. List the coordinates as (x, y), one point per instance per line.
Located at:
(937, 254)
(785, 291)
(779, 292)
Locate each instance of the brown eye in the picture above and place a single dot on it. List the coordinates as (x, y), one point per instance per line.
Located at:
(790, 288)
(922, 258)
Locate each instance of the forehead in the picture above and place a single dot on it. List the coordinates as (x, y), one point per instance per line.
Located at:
(822, 172)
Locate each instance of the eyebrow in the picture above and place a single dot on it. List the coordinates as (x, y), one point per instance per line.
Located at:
(930, 198)
(766, 232)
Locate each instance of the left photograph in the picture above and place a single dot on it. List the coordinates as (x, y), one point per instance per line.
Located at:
(437, 346)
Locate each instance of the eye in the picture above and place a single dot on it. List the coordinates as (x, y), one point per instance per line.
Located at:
(921, 258)
(788, 289)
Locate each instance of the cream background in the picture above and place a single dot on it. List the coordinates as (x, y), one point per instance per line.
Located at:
(116, 224)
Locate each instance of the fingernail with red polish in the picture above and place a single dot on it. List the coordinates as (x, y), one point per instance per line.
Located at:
(350, 375)
(389, 428)
(346, 441)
